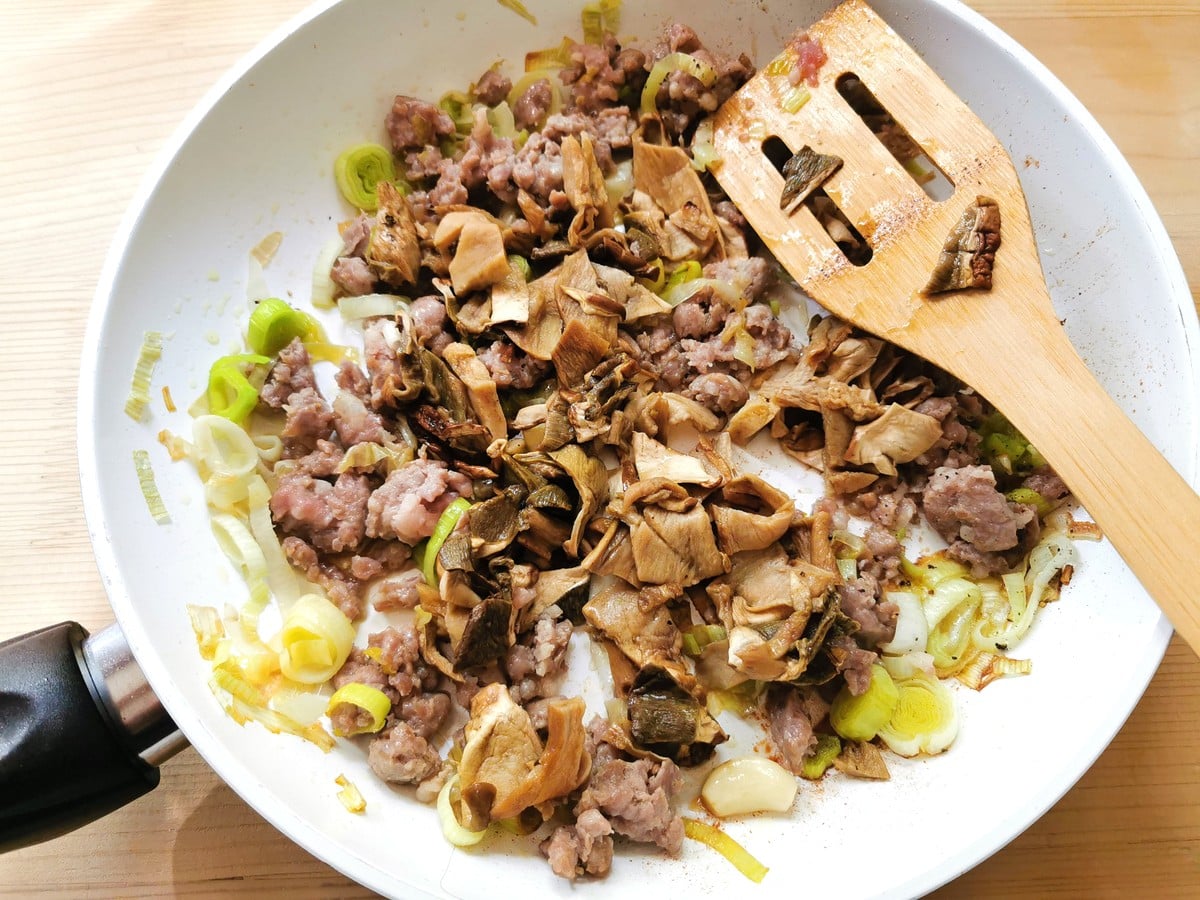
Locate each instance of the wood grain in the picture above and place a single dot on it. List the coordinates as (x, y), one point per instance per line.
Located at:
(88, 94)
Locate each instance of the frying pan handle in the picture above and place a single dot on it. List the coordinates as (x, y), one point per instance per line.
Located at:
(81, 733)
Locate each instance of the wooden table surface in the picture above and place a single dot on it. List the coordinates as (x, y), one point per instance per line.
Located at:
(90, 91)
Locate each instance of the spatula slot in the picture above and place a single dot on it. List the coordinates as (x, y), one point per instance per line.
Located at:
(920, 166)
(836, 224)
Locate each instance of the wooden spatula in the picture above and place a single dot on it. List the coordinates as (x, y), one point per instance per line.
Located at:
(1006, 342)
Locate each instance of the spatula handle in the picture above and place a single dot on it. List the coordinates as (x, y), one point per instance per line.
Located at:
(1145, 508)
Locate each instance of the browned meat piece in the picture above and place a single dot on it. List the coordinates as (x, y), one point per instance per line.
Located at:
(1048, 484)
(718, 391)
(401, 660)
(853, 662)
(965, 503)
(791, 714)
(492, 87)
(399, 592)
(585, 848)
(322, 461)
(700, 315)
(355, 423)
(772, 339)
(360, 669)
(429, 323)
(291, 373)
(309, 420)
(424, 713)
(683, 99)
(596, 74)
(882, 562)
(537, 167)
(511, 367)
(537, 659)
(401, 756)
(752, 275)
(636, 798)
(328, 516)
(409, 503)
(531, 107)
(413, 124)
(876, 618)
(341, 587)
(353, 276)
(351, 378)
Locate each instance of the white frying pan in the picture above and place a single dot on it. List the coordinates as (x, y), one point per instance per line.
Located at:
(256, 156)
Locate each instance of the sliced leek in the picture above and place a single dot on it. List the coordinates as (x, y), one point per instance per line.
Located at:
(725, 845)
(827, 750)
(452, 829)
(350, 796)
(139, 389)
(370, 699)
(358, 171)
(925, 719)
(673, 62)
(316, 639)
(859, 718)
(149, 488)
(445, 525)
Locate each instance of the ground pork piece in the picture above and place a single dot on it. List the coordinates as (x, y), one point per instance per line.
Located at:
(610, 129)
(357, 235)
(309, 420)
(791, 714)
(353, 276)
(360, 669)
(853, 662)
(965, 503)
(355, 423)
(810, 56)
(328, 516)
(772, 339)
(408, 504)
(751, 276)
(636, 798)
(876, 618)
(533, 105)
(401, 756)
(536, 661)
(683, 98)
(660, 352)
(341, 587)
(731, 214)
(598, 75)
(399, 592)
(400, 658)
(700, 315)
(585, 848)
(350, 378)
(322, 461)
(349, 719)
(429, 323)
(883, 552)
(413, 124)
(1047, 483)
(718, 391)
(424, 713)
(291, 373)
(512, 367)
(492, 87)
(424, 163)
(383, 365)
(487, 161)
(537, 167)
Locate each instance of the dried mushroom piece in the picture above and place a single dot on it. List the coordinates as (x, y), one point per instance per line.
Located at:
(667, 720)
(969, 253)
(862, 760)
(806, 171)
(393, 248)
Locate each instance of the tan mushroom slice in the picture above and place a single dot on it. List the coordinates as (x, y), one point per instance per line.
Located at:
(504, 768)
(750, 514)
(588, 333)
(900, 435)
(393, 248)
(543, 328)
(635, 300)
(604, 391)
(591, 482)
(510, 298)
(481, 388)
(665, 174)
(656, 460)
(671, 547)
(645, 636)
(613, 554)
(565, 588)
(479, 259)
(862, 760)
(583, 183)
(663, 411)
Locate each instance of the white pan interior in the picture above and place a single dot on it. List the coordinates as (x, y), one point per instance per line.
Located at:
(256, 157)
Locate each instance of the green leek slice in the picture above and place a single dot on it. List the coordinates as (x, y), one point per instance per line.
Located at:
(441, 531)
(725, 845)
(230, 393)
(350, 796)
(925, 719)
(274, 324)
(827, 750)
(673, 62)
(358, 171)
(365, 697)
(139, 388)
(860, 718)
(149, 488)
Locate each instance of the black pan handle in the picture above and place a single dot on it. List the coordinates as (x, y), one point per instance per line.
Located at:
(81, 732)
